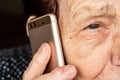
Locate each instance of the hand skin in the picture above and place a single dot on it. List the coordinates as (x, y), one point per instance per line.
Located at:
(40, 60)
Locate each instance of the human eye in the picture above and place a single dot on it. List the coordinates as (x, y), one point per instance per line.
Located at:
(96, 26)
(93, 26)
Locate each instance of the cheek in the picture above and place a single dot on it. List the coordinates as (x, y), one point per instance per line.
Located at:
(88, 53)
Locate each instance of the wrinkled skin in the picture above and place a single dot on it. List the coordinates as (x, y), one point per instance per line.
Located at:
(90, 32)
(91, 37)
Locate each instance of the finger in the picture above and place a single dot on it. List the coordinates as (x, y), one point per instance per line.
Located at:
(61, 73)
(38, 63)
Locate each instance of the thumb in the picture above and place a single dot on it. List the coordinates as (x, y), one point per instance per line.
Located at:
(60, 73)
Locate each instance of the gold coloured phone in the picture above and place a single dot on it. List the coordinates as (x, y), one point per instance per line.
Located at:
(45, 29)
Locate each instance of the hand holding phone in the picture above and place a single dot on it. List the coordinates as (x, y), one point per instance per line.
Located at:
(38, 65)
(56, 68)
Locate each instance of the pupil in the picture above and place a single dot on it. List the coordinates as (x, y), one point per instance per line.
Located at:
(94, 26)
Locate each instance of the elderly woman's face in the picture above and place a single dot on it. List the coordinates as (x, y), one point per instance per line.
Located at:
(91, 37)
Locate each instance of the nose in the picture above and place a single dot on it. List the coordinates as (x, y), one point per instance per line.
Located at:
(116, 48)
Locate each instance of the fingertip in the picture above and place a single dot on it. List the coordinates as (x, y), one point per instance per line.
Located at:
(44, 48)
(67, 72)
(47, 46)
(70, 70)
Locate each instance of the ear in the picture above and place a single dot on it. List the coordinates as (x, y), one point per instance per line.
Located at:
(30, 18)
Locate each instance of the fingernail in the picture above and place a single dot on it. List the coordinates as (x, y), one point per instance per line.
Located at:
(69, 70)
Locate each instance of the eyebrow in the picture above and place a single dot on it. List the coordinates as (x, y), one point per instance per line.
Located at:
(80, 13)
(107, 11)
(92, 11)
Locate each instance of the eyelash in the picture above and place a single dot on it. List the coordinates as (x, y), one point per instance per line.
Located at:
(93, 26)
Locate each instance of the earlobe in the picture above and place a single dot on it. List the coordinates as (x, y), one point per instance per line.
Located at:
(30, 18)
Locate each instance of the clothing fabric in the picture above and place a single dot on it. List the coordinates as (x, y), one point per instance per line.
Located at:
(14, 61)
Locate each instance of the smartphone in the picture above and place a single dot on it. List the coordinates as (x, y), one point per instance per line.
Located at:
(45, 29)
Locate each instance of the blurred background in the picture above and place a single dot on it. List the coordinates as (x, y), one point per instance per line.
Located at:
(12, 23)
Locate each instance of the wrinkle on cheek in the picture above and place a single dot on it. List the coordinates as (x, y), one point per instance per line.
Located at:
(88, 42)
(98, 59)
(103, 53)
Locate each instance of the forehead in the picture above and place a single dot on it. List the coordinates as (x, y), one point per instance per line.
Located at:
(98, 7)
(93, 3)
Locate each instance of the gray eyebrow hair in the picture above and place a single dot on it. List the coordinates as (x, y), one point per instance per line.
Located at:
(105, 10)
(85, 12)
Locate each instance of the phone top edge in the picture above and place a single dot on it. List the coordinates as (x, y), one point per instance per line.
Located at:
(42, 20)
(51, 15)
